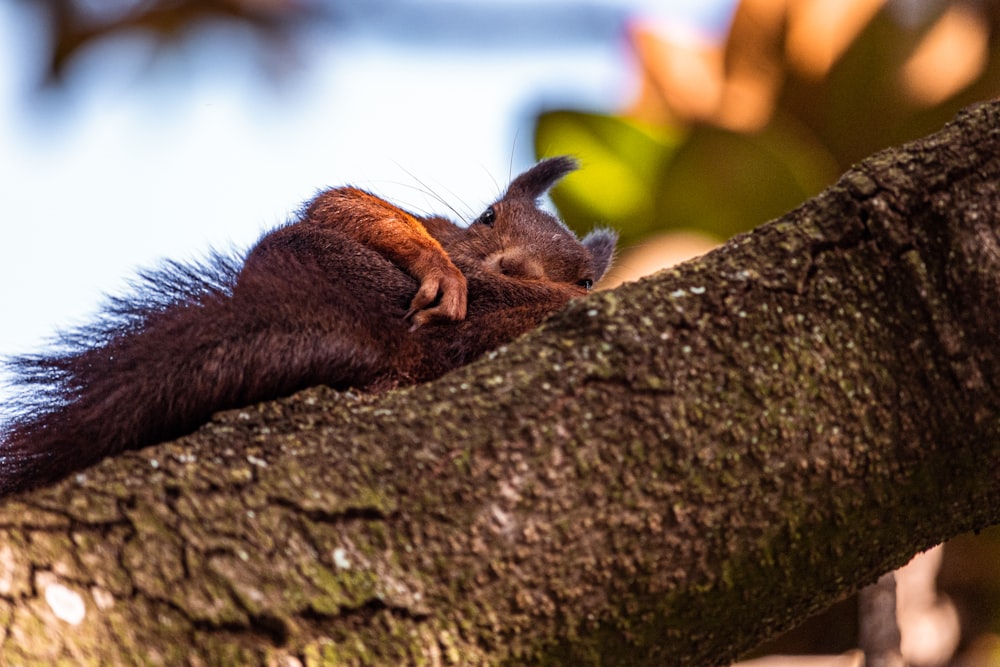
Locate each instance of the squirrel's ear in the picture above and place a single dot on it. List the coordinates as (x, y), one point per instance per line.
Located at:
(600, 243)
(535, 182)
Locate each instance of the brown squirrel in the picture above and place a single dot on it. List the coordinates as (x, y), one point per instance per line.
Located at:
(356, 293)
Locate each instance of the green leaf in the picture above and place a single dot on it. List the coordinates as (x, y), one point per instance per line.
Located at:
(722, 182)
(641, 180)
(622, 162)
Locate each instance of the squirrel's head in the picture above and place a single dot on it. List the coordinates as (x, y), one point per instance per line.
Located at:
(515, 237)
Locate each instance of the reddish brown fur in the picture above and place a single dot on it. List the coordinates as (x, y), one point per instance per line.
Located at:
(323, 300)
(402, 239)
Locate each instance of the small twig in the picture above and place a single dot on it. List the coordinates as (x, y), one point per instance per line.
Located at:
(878, 631)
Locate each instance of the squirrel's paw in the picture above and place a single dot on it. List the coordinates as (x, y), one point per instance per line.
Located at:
(450, 284)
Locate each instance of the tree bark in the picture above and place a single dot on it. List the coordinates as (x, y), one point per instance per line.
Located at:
(663, 474)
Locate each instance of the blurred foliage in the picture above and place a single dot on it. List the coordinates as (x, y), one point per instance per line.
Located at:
(75, 26)
(969, 579)
(726, 135)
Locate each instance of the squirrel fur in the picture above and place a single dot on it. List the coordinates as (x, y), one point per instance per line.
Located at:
(356, 293)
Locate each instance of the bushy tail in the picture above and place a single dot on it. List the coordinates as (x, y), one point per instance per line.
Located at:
(158, 363)
(105, 387)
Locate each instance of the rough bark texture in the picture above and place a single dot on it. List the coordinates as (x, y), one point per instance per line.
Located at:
(664, 474)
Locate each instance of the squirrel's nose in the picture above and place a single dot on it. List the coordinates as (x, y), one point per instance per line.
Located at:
(517, 263)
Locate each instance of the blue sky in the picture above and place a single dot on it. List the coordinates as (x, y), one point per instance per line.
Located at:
(136, 162)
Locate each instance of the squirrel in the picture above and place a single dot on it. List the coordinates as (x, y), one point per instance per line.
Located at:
(356, 293)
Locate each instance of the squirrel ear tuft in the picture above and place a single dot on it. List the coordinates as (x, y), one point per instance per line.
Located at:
(535, 182)
(600, 243)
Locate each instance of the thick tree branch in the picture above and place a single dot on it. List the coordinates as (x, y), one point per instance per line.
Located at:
(667, 473)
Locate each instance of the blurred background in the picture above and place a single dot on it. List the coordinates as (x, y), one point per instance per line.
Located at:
(132, 130)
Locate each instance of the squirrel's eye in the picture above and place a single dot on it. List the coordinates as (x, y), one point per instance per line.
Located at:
(488, 217)
(586, 283)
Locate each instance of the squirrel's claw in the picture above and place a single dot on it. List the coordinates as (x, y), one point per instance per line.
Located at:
(450, 286)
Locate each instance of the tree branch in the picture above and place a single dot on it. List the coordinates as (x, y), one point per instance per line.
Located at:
(668, 473)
